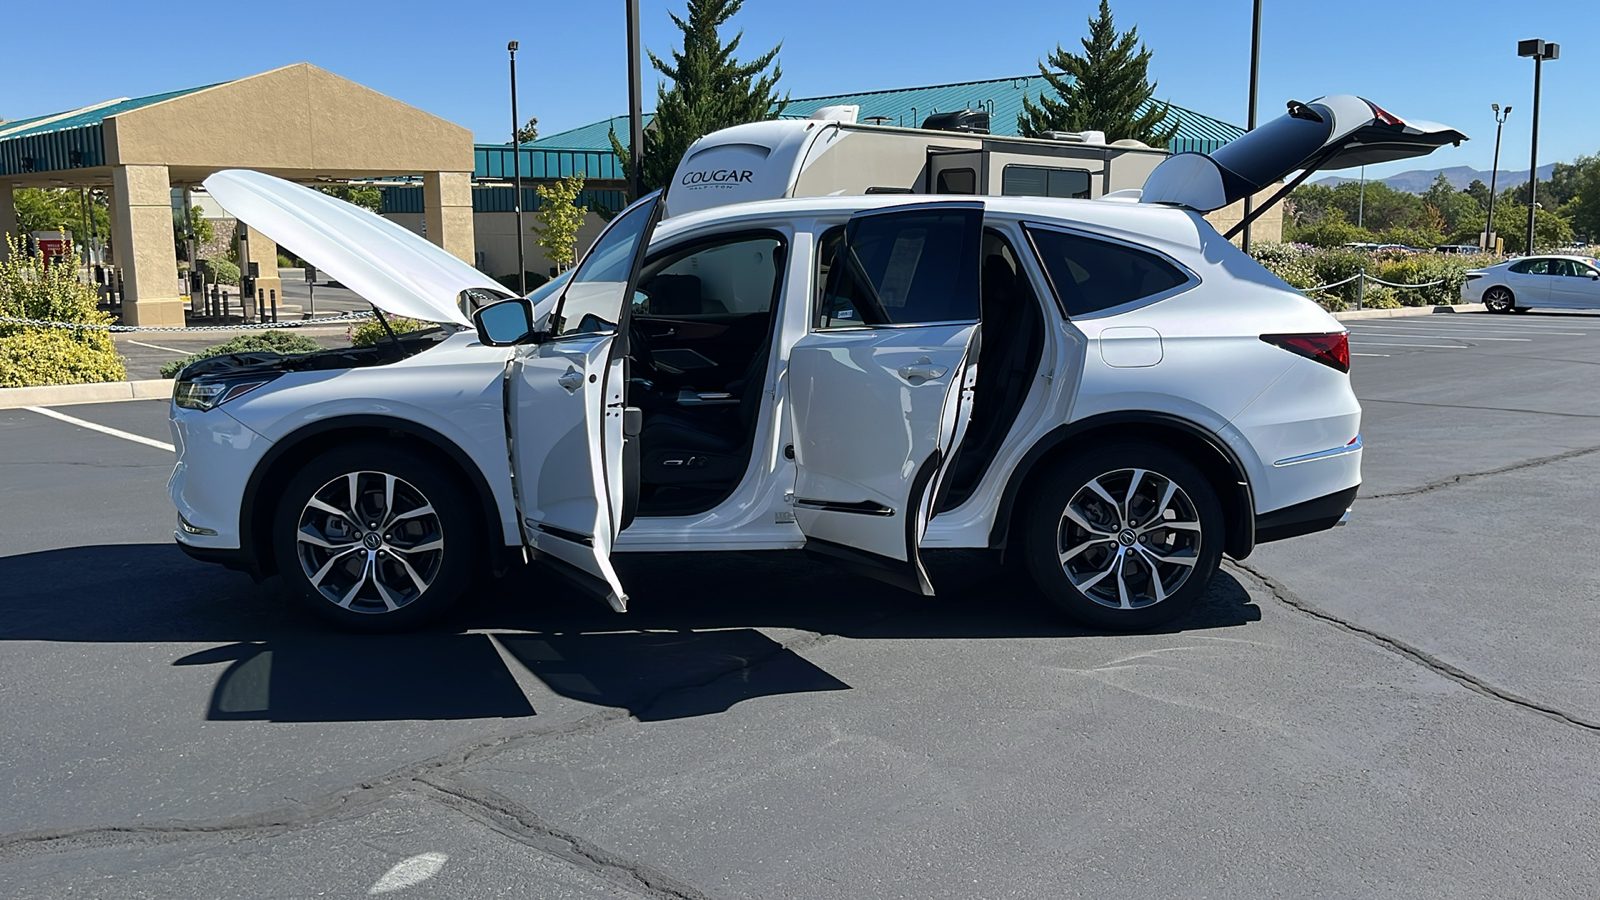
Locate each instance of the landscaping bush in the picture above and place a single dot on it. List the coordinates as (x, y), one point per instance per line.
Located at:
(1306, 267)
(510, 281)
(39, 356)
(268, 341)
(220, 271)
(371, 332)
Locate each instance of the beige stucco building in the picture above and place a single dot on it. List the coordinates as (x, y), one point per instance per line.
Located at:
(298, 122)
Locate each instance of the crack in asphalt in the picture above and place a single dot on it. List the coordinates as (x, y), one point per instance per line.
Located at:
(1460, 676)
(1509, 409)
(1464, 477)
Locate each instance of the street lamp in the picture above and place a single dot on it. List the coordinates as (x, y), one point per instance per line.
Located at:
(516, 171)
(1539, 51)
(1500, 116)
(1250, 123)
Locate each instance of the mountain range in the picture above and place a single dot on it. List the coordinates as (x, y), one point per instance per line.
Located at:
(1418, 181)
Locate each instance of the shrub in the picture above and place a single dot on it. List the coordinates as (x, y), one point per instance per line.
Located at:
(220, 271)
(267, 341)
(40, 356)
(371, 332)
(510, 281)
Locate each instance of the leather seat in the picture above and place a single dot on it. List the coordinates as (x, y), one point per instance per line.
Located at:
(708, 445)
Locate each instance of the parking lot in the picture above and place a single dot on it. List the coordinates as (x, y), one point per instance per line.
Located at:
(1405, 707)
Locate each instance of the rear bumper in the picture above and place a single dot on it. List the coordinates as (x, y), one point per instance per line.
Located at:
(1318, 514)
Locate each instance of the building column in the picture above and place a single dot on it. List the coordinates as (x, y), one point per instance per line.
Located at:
(8, 220)
(447, 212)
(145, 252)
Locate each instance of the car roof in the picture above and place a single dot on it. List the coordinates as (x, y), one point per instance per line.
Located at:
(1159, 222)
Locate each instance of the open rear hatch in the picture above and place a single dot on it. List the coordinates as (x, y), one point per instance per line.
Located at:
(1340, 131)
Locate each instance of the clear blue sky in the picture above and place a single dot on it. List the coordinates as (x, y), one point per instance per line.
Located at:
(1445, 61)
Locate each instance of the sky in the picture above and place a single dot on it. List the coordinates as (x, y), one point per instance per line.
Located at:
(1442, 61)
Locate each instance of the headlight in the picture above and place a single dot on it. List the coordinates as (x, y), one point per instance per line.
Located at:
(213, 392)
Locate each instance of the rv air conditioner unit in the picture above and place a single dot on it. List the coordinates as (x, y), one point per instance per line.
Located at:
(1076, 137)
(970, 121)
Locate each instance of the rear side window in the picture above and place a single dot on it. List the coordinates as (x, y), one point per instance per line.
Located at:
(1533, 267)
(1089, 275)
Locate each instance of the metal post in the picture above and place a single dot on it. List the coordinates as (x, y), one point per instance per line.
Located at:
(225, 304)
(516, 170)
(273, 296)
(1533, 160)
(1500, 117)
(1250, 122)
(635, 106)
(261, 305)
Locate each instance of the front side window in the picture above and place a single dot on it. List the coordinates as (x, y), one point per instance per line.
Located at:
(903, 268)
(1089, 275)
(737, 277)
(1039, 181)
(593, 300)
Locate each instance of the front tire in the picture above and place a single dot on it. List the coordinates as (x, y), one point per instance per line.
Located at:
(1499, 300)
(1125, 537)
(376, 538)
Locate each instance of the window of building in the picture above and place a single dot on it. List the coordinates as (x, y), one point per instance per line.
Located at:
(1039, 181)
(957, 181)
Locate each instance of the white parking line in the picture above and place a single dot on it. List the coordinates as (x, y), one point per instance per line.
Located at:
(1509, 329)
(1391, 344)
(102, 429)
(1442, 337)
(159, 347)
(1384, 355)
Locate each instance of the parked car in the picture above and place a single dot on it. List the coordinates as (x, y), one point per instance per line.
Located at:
(1555, 282)
(1456, 248)
(1108, 392)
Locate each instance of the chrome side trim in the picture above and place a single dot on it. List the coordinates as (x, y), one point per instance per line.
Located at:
(1351, 447)
(1343, 520)
(860, 507)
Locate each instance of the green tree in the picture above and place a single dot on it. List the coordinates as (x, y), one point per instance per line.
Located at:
(710, 90)
(199, 226)
(1583, 209)
(529, 133)
(557, 220)
(60, 209)
(366, 196)
(1457, 209)
(1511, 224)
(1105, 89)
(1478, 191)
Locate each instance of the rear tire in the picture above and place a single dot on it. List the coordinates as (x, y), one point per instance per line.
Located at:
(376, 538)
(1124, 537)
(1499, 299)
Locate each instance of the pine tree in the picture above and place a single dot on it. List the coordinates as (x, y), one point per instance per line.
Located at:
(710, 89)
(1105, 89)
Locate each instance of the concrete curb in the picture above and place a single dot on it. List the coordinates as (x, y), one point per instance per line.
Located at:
(70, 394)
(1357, 315)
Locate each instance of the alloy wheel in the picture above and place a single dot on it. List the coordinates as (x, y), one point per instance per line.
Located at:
(1497, 299)
(369, 542)
(1129, 538)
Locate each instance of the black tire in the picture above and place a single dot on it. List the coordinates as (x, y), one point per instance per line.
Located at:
(1126, 597)
(386, 596)
(1499, 299)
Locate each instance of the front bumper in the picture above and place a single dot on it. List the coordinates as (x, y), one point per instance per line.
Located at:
(1319, 514)
(216, 455)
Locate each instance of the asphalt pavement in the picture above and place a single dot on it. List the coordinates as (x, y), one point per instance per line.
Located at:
(1405, 707)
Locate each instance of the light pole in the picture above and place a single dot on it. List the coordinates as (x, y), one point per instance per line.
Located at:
(1500, 116)
(635, 107)
(1540, 51)
(1361, 200)
(516, 171)
(1250, 122)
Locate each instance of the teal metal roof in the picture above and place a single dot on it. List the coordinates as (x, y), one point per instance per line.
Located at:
(66, 140)
(907, 107)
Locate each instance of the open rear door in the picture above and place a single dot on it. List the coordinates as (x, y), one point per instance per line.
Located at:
(881, 387)
(566, 409)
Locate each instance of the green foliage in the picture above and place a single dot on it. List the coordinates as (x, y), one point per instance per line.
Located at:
(558, 219)
(39, 356)
(363, 195)
(29, 290)
(710, 90)
(1583, 209)
(1109, 89)
(1458, 210)
(277, 341)
(529, 133)
(219, 271)
(199, 226)
(1550, 231)
(60, 209)
(371, 331)
(1330, 231)
(1478, 191)
(509, 281)
(1311, 267)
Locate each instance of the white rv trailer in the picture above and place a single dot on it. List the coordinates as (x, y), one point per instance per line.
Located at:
(830, 153)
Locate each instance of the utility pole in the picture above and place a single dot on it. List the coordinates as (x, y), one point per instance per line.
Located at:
(1500, 116)
(1250, 123)
(635, 106)
(1540, 51)
(516, 172)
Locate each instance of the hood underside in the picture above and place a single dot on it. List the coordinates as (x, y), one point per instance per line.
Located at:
(389, 266)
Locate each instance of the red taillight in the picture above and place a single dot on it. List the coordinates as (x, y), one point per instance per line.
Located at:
(1328, 349)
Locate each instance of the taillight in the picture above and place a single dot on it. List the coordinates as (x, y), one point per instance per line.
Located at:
(1328, 349)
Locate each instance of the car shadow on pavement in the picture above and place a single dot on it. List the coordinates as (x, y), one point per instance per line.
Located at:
(690, 644)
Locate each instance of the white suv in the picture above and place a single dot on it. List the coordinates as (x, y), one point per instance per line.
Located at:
(1108, 391)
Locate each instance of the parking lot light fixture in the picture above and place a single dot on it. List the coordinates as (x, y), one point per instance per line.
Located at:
(1500, 116)
(1539, 51)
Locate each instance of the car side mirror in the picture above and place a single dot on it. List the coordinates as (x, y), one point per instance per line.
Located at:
(505, 323)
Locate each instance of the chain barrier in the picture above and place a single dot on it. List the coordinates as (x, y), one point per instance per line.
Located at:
(1374, 279)
(303, 323)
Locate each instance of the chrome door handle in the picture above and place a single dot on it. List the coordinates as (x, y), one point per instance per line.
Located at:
(572, 380)
(922, 370)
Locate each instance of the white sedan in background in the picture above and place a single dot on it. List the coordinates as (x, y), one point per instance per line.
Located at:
(1554, 282)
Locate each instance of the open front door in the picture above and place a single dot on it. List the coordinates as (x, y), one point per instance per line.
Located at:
(566, 409)
(881, 387)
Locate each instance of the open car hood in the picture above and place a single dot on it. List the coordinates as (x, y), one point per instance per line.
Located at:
(388, 265)
(1334, 132)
